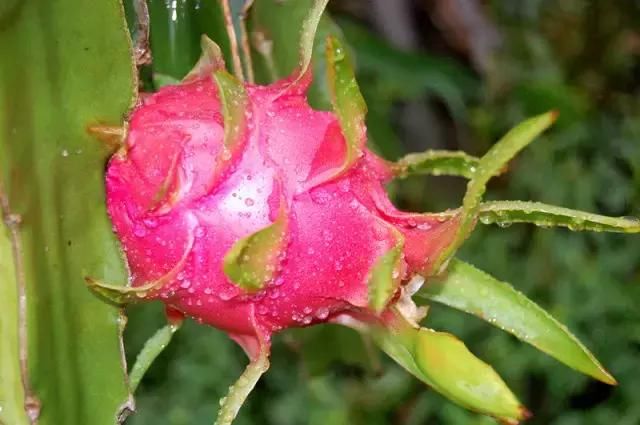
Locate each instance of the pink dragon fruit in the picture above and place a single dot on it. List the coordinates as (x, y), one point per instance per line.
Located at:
(240, 206)
(244, 208)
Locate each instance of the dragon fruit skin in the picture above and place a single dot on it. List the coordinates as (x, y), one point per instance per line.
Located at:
(179, 201)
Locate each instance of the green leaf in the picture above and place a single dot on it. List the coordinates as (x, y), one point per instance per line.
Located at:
(504, 213)
(385, 276)
(468, 289)
(277, 41)
(234, 105)
(151, 350)
(12, 395)
(121, 295)
(308, 34)
(348, 103)
(238, 392)
(490, 165)
(70, 68)
(252, 261)
(444, 363)
(437, 163)
(211, 60)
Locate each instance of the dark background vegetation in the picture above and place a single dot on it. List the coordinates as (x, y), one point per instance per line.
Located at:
(456, 74)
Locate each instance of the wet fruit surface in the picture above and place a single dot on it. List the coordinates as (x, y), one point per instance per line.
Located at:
(311, 225)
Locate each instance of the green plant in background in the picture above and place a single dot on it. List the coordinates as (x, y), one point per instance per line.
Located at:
(76, 242)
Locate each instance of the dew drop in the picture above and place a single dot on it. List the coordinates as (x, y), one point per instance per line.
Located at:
(139, 230)
(322, 313)
(224, 296)
(320, 196)
(150, 222)
(344, 185)
(424, 226)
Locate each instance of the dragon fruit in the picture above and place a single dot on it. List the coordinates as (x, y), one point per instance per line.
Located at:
(277, 223)
(242, 207)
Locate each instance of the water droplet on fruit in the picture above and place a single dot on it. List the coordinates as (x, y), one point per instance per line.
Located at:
(344, 185)
(150, 222)
(322, 313)
(139, 230)
(224, 296)
(320, 196)
(424, 226)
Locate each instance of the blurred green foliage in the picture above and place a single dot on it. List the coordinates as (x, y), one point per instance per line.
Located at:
(578, 56)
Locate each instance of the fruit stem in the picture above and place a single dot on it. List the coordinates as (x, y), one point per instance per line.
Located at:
(152, 348)
(239, 391)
